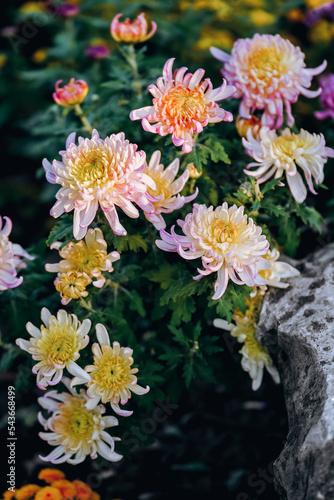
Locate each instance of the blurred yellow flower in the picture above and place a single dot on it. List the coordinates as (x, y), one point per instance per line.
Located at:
(211, 36)
(49, 475)
(3, 60)
(40, 55)
(322, 31)
(295, 15)
(26, 492)
(31, 8)
(260, 17)
(314, 4)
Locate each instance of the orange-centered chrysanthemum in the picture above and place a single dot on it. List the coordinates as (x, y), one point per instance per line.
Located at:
(255, 356)
(76, 431)
(97, 172)
(83, 263)
(164, 199)
(56, 346)
(27, 492)
(48, 493)
(111, 377)
(49, 475)
(66, 488)
(183, 105)
(227, 241)
(269, 74)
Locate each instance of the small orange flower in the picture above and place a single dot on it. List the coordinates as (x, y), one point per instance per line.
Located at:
(26, 492)
(66, 488)
(244, 124)
(8, 495)
(71, 94)
(49, 493)
(83, 491)
(131, 32)
(51, 475)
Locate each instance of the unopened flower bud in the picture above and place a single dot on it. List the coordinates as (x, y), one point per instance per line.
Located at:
(71, 94)
(131, 32)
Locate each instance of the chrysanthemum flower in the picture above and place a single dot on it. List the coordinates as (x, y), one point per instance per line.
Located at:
(66, 488)
(97, 172)
(27, 492)
(56, 346)
(226, 240)
(112, 377)
(71, 94)
(255, 356)
(10, 258)
(326, 97)
(82, 262)
(193, 172)
(269, 73)
(131, 32)
(244, 124)
(82, 490)
(76, 432)
(277, 271)
(275, 155)
(8, 495)
(164, 199)
(183, 105)
(50, 475)
(48, 493)
(71, 285)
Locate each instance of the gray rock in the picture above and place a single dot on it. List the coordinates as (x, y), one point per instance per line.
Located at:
(297, 325)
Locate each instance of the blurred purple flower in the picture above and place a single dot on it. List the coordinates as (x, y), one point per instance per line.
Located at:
(326, 97)
(314, 15)
(97, 51)
(67, 10)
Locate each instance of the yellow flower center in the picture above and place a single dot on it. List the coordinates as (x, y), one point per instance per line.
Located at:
(287, 145)
(112, 372)
(90, 168)
(74, 422)
(180, 106)
(266, 62)
(58, 342)
(83, 257)
(223, 232)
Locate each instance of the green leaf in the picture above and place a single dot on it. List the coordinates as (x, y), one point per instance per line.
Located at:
(216, 151)
(63, 230)
(310, 216)
(132, 242)
(136, 303)
(184, 287)
(188, 372)
(182, 310)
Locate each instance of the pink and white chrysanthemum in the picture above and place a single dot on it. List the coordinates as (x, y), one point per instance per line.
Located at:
(269, 73)
(275, 155)
(183, 105)
(56, 345)
(164, 199)
(75, 431)
(111, 377)
(227, 241)
(326, 97)
(10, 258)
(107, 172)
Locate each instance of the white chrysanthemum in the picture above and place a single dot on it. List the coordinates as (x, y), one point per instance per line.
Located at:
(111, 377)
(75, 431)
(278, 270)
(164, 198)
(56, 346)
(255, 356)
(278, 155)
(227, 241)
(107, 172)
(10, 258)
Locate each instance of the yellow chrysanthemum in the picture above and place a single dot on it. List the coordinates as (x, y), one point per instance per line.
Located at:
(71, 285)
(27, 492)
(48, 493)
(76, 431)
(255, 356)
(49, 475)
(111, 375)
(56, 346)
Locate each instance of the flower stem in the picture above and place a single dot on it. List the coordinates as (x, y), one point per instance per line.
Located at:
(130, 56)
(78, 111)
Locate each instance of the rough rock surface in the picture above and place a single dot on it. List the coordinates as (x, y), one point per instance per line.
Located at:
(297, 325)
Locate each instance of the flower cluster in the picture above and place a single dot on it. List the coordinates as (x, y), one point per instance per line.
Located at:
(183, 105)
(101, 172)
(82, 263)
(77, 425)
(11, 255)
(58, 488)
(227, 241)
(326, 97)
(269, 74)
(255, 356)
(278, 154)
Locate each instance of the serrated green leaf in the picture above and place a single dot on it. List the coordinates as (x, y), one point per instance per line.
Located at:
(62, 231)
